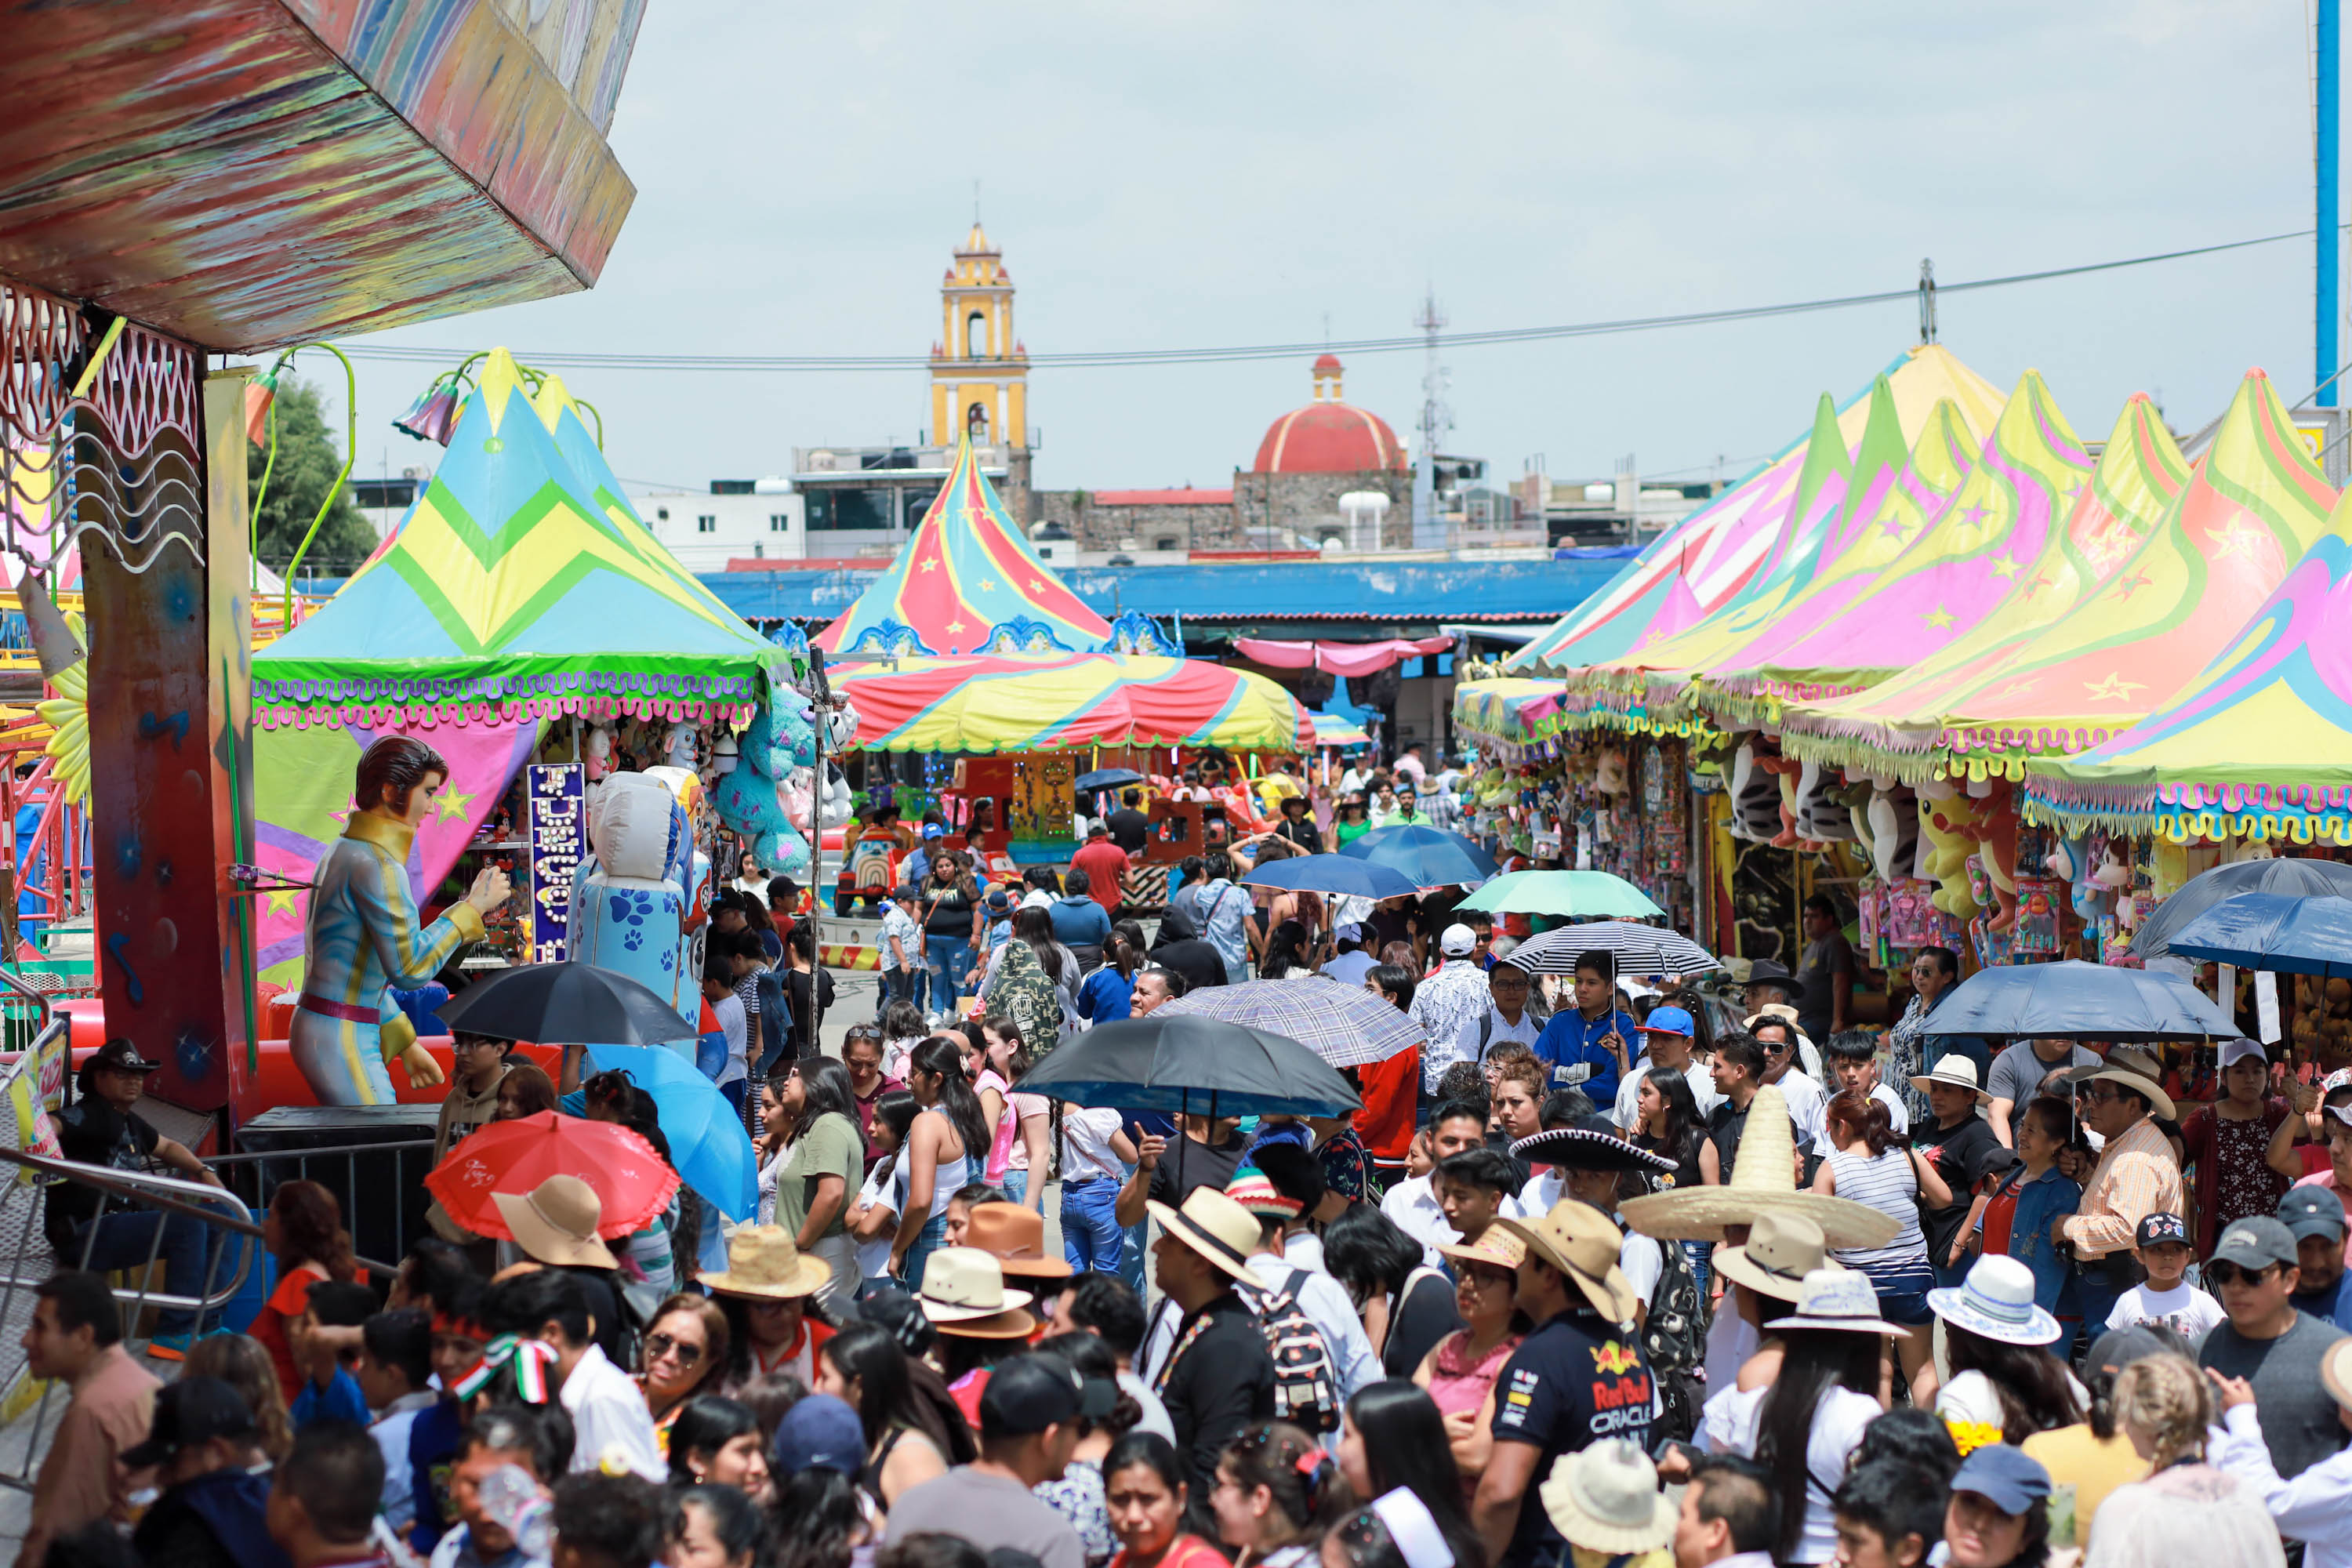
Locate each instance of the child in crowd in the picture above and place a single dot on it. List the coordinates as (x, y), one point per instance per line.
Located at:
(2166, 1298)
(732, 1075)
(960, 1208)
(326, 1337)
(902, 1031)
(1474, 1188)
(396, 1378)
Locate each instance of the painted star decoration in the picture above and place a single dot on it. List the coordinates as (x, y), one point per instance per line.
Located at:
(2133, 584)
(451, 806)
(955, 626)
(2005, 566)
(1974, 517)
(1036, 585)
(2114, 689)
(2239, 540)
(283, 900)
(988, 585)
(1941, 618)
(930, 563)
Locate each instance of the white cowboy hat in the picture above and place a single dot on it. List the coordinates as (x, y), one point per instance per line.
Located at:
(1840, 1299)
(962, 1284)
(1763, 1180)
(1996, 1301)
(1955, 1069)
(1604, 1498)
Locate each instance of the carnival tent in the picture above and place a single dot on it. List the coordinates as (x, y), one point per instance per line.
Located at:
(2258, 745)
(969, 581)
(1032, 702)
(1898, 707)
(1505, 707)
(2255, 502)
(1716, 551)
(1989, 530)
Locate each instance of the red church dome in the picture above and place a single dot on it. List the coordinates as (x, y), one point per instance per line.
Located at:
(1328, 436)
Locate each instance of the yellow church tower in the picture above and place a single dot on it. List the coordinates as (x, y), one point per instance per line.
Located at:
(980, 371)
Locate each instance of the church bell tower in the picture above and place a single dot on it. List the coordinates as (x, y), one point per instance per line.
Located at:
(980, 371)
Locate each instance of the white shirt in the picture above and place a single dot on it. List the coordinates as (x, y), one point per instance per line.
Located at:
(1155, 1414)
(390, 1431)
(1806, 1104)
(609, 1420)
(1414, 1205)
(1629, 1091)
(1639, 1259)
(1728, 1426)
(1036, 899)
(2315, 1508)
(2188, 1310)
(1325, 1301)
(728, 1011)
(1466, 1047)
(1351, 967)
(1454, 996)
(1304, 1249)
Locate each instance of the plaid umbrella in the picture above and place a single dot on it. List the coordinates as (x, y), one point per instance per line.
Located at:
(1638, 950)
(1347, 1025)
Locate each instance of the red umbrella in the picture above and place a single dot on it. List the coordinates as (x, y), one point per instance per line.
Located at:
(630, 1179)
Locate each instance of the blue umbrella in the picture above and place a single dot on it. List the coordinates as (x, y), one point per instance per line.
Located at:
(1431, 857)
(1344, 875)
(2288, 874)
(2077, 1001)
(706, 1142)
(2287, 932)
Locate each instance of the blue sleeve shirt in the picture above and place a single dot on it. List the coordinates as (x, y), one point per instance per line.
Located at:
(339, 1401)
(1571, 1049)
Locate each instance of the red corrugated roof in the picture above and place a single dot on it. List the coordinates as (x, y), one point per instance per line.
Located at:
(1164, 498)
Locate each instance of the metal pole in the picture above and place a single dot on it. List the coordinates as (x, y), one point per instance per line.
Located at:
(817, 873)
(2327, 237)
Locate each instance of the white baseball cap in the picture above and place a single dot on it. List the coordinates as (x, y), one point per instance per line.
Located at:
(2238, 1050)
(1458, 941)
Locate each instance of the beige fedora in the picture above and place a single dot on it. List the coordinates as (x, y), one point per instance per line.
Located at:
(1763, 1180)
(1780, 1250)
(962, 1284)
(1579, 1241)
(556, 1223)
(1215, 1226)
(1605, 1499)
(763, 1261)
(1955, 1072)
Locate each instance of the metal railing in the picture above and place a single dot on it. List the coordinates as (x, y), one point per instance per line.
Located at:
(376, 1212)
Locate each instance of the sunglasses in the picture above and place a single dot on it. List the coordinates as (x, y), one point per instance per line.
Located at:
(2231, 1274)
(659, 1345)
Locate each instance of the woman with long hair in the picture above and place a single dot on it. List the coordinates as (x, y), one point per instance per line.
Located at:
(716, 1527)
(819, 1518)
(2186, 1513)
(684, 1352)
(1276, 1492)
(1867, 1165)
(1406, 1309)
(243, 1362)
(1666, 1122)
(304, 1232)
(1146, 1496)
(2005, 1385)
(865, 1368)
(1027, 984)
(1019, 1145)
(943, 1146)
(1459, 1374)
(1803, 1424)
(874, 1218)
(526, 1091)
(948, 909)
(1392, 1434)
(1107, 994)
(1285, 951)
(717, 1441)
(818, 1163)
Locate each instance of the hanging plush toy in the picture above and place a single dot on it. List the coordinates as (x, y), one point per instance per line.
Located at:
(677, 747)
(1785, 772)
(1944, 817)
(1995, 827)
(1821, 814)
(750, 798)
(839, 804)
(1894, 832)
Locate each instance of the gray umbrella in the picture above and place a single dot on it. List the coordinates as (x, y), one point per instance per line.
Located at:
(2309, 878)
(1347, 1025)
(2077, 1001)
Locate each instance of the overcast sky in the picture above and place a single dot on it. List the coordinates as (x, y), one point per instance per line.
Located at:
(1211, 174)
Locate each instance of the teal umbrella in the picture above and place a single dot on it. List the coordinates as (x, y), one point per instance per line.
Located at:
(1570, 895)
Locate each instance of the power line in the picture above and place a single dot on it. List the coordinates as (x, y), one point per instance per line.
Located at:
(1103, 358)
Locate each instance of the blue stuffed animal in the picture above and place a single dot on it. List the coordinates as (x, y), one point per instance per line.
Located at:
(749, 799)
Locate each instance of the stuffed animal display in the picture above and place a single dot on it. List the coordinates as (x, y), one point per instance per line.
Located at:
(752, 797)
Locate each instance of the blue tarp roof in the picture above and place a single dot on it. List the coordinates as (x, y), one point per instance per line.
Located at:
(1384, 590)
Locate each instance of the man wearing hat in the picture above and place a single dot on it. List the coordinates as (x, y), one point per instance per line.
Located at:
(2277, 1350)
(1456, 996)
(1029, 1418)
(2136, 1176)
(1297, 825)
(1666, 1037)
(1577, 1378)
(101, 1129)
(212, 1507)
(2316, 1220)
(1216, 1376)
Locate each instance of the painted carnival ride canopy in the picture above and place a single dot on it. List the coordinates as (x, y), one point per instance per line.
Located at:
(521, 583)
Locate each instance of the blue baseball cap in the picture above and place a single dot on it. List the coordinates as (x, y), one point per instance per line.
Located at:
(2007, 1478)
(1669, 1020)
(933, 830)
(820, 1431)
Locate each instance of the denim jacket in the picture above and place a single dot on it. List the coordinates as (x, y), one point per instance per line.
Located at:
(2040, 1203)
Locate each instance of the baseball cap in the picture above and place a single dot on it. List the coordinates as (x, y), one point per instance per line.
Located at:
(2161, 1228)
(2312, 1211)
(2255, 1243)
(1668, 1021)
(2118, 1348)
(2008, 1479)
(1030, 1393)
(188, 1411)
(1458, 941)
(820, 1432)
(906, 890)
(933, 830)
(1096, 826)
(2238, 1050)
(999, 900)
(120, 1055)
(1349, 930)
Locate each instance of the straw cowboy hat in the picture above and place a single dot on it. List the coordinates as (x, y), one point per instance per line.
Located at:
(556, 1223)
(1496, 1247)
(2135, 1069)
(964, 1293)
(1579, 1240)
(1954, 1070)
(1763, 1180)
(1605, 1498)
(764, 1262)
(1840, 1299)
(1780, 1250)
(1017, 1235)
(1215, 1227)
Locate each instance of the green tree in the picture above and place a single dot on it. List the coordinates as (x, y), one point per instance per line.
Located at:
(308, 463)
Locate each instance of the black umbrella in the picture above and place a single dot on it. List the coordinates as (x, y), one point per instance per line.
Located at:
(2077, 1001)
(1105, 778)
(1191, 1065)
(2294, 877)
(565, 1004)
